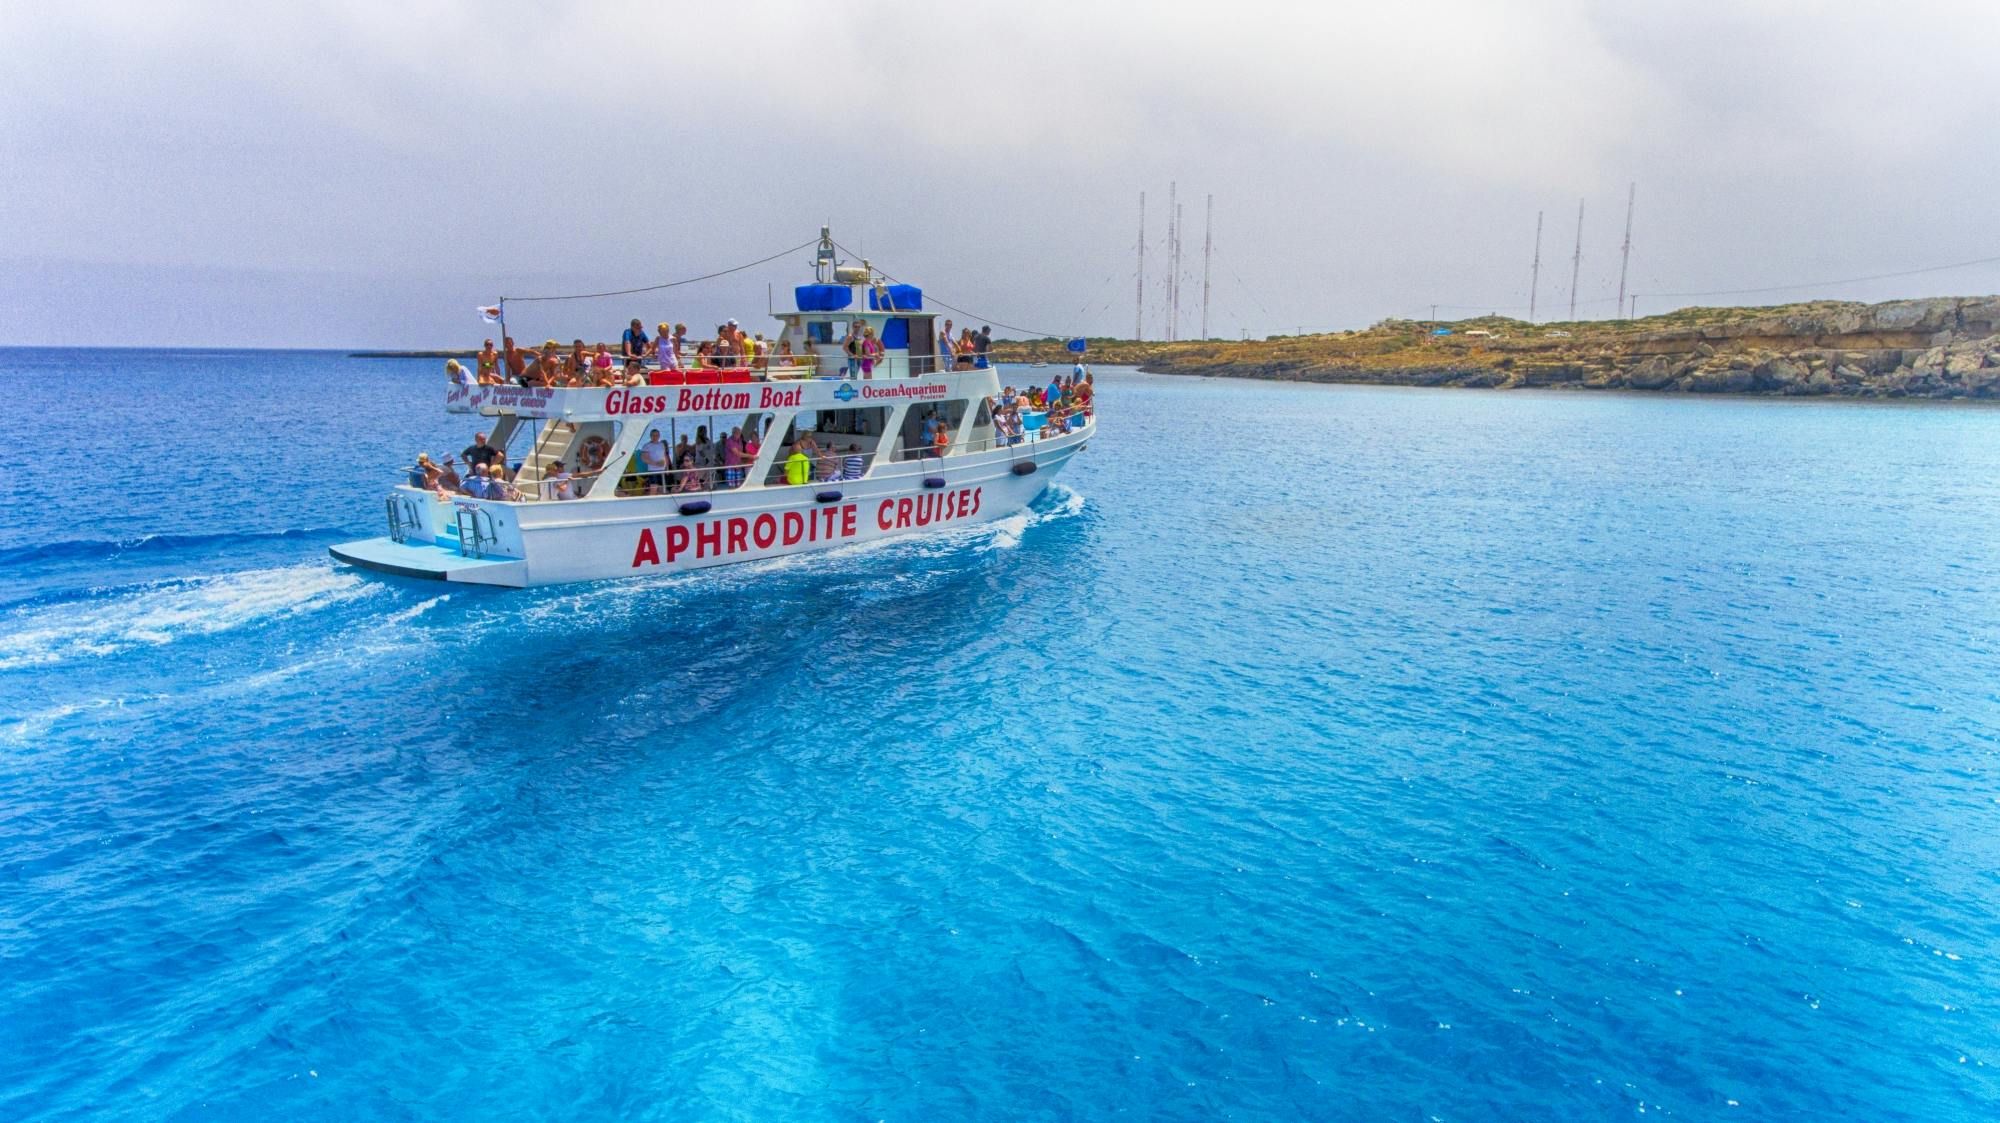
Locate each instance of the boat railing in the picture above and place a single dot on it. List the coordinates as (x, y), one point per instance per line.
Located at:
(773, 368)
(987, 444)
(534, 491)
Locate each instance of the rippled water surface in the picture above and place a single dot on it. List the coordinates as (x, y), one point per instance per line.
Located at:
(1308, 752)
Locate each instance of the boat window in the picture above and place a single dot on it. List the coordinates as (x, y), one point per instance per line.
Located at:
(912, 442)
(822, 331)
(846, 440)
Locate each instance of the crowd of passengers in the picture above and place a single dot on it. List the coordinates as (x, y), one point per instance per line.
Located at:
(701, 464)
(485, 475)
(1064, 404)
(597, 364)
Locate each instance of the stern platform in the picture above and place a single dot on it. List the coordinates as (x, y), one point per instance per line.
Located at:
(431, 561)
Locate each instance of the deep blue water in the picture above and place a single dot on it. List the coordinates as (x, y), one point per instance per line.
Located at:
(1308, 753)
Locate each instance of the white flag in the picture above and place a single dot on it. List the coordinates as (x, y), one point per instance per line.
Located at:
(490, 315)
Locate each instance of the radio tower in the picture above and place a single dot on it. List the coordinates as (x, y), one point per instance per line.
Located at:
(1173, 255)
(1576, 261)
(1207, 244)
(1139, 305)
(1535, 270)
(1180, 228)
(1625, 253)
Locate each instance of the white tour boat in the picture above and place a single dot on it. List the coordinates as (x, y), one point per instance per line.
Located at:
(623, 520)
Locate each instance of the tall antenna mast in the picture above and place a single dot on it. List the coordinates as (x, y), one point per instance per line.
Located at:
(1173, 255)
(1139, 304)
(1625, 254)
(1576, 261)
(1207, 245)
(1180, 229)
(1535, 271)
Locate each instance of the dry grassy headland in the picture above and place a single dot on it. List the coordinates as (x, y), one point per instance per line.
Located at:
(1947, 347)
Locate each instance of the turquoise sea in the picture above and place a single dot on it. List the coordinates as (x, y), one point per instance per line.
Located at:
(1305, 753)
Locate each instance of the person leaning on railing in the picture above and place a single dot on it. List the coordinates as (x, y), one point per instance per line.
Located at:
(559, 484)
(798, 466)
(634, 342)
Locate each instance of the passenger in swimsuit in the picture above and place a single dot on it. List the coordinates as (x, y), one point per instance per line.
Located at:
(664, 348)
(871, 351)
(489, 363)
(690, 478)
(516, 362)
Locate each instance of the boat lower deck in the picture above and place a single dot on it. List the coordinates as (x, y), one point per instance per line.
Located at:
(431, 561)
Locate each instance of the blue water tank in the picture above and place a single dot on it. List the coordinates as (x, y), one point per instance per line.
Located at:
(824, 298)
(902, 298)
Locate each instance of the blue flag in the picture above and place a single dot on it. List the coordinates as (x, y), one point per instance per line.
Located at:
(1076, 346)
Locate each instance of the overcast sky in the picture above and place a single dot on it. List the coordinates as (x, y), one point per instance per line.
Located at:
(364, 174)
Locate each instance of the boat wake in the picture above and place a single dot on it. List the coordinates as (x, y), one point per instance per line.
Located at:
(160, 613)
(98, 550)
(1059, 503)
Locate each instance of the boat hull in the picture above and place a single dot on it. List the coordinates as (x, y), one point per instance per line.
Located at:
(549, 543)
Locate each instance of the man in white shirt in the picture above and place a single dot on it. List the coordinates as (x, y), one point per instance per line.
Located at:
(654, 455)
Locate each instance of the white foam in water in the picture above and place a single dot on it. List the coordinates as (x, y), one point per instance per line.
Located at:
(418, 609)
(162, 613)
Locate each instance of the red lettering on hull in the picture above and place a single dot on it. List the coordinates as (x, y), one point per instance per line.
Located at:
(734, 534)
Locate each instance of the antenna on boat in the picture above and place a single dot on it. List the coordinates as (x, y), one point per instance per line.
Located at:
(824, 262)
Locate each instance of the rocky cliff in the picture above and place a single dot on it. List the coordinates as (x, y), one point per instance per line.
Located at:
(1934, 348)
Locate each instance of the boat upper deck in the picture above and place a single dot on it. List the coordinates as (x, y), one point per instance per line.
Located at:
(662, 392)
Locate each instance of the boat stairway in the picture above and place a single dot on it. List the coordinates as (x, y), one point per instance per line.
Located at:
(551, 446)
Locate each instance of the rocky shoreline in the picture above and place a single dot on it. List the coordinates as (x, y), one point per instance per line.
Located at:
(1931, 348)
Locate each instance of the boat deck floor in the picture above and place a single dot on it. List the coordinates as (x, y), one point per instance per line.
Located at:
(429, 560)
